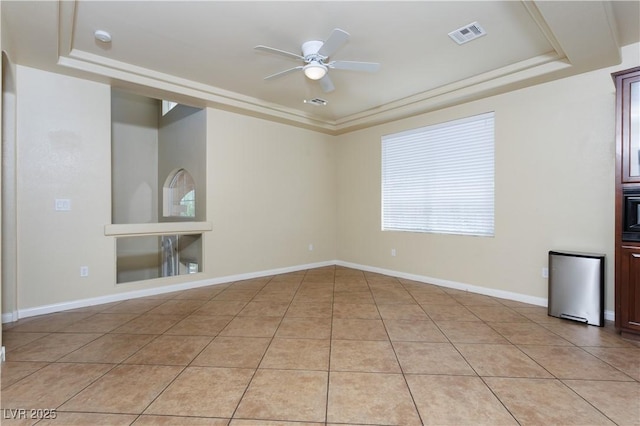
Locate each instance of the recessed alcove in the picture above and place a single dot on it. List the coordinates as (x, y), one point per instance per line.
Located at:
(158, 178)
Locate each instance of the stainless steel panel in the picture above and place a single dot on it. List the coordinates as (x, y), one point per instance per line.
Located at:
(576, 286)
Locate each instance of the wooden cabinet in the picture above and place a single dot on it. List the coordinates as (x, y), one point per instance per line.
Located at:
(627, 234)
(628, 294)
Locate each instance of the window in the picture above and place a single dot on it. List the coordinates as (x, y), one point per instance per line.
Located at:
(440, 178)
(179, 195)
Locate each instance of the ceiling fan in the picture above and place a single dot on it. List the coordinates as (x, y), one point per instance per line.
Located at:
(315, 55)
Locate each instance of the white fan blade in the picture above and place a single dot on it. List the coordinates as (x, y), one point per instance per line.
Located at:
(354, 66)
(281, 73)
(335, 41)
(326, 84)
(279, 52)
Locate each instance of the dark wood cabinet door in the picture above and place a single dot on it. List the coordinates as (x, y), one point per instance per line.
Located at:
(628, 295)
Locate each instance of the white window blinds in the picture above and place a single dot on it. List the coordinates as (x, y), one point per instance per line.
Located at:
(440, 178)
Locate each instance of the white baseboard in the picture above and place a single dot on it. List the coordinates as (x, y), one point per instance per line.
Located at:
(524, 298)
(83, 303)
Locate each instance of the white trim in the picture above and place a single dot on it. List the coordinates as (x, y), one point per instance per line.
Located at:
(518, 297)
(3, 356)
(538, 301)
(83, 303)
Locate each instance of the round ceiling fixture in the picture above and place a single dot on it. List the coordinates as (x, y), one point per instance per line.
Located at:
(102, 36)
(315, 70)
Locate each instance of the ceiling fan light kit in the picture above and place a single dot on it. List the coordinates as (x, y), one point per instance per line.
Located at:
(315, 70)
(315, 55)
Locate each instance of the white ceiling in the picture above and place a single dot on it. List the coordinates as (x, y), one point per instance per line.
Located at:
(202, 52)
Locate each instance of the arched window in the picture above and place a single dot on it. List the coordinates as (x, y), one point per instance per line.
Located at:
(179, 195)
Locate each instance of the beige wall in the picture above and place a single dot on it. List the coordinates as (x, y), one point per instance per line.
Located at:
(273, 189)
(271, 193)
(555, 152)
(270, 190)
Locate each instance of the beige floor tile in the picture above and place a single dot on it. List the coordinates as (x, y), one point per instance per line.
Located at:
(538, 314)
(127, 389)
(449, 313)
(470, 332)
(231, 294)
(309, 310)
(414, 331)
(237, 352)
(305, 328)
(370, 398)
(49, 323)
(570, 362)
(439, 401)
(353, 297)
(431, 358)
(501, 361)
(35, 391)
(619, 401)
(12, 340)
(435, 299)
(497, 314)
(150, 420)
(544, 402)
(247, 422)
(385, 297)
(202, 293)
(177, 307)
(274, 297)
(204, 392)
(201, 325)
(358, 329)
(624, 359)
(221, 307)
(252, 327)
(134, 306)
(264, 309)
(361, 355)
(411, 311)
(170, 350)
(471, 299)
(86, 419)
(285, 395)
(51, 347)
(587, 335)
(15, 371)
(522, 333)
(355, 310)
(149, 324)
(109, 348)
(297, 354)
(99, 323)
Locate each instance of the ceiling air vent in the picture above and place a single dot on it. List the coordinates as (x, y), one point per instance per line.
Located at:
(467, 33)
(315, 101)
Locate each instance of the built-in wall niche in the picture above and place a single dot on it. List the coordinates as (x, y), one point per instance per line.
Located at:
(156, 256)
(158, 193)
(157, 153)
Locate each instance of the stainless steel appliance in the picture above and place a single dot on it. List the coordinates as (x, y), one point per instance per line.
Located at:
(576, 286)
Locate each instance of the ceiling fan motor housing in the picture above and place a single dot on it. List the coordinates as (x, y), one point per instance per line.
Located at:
(310, 51)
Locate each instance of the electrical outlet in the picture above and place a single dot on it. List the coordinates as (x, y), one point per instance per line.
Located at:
(310, 247)
(545, 272)
(84, 271)
(63, 204)
(393, 252)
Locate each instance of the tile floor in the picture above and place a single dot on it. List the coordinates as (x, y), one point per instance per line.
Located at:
(324, 346)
